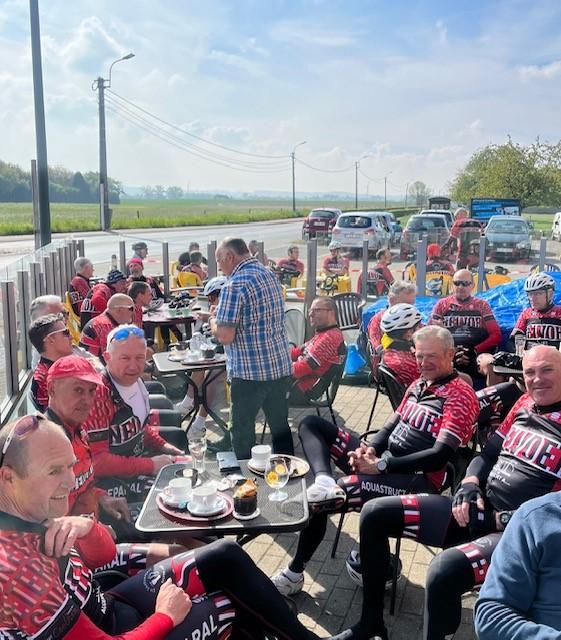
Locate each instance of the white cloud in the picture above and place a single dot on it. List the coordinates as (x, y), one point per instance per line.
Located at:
(237, 61)
(545, 71)
(298, 33)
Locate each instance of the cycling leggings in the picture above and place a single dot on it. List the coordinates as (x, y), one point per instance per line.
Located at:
(460, 567)
(226, 588)
(322, 441)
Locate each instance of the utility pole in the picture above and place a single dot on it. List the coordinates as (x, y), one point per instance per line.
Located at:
(293, 156)
(406, 191)
(385, 190)
(40, 131)
(356, 184)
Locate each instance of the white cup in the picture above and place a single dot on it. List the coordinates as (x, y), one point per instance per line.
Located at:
(204, 497)
(179, 489)
(260, 453)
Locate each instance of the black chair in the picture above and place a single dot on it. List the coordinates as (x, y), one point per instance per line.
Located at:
(386, 383)
(295, 322)
(154, 386)
(349, 310)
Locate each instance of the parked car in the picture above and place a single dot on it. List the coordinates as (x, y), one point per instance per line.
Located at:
(434, 226)
(394, 226)
(439, 212)
(556, 227)
(508, 237)
(353, 228)
(319, 223)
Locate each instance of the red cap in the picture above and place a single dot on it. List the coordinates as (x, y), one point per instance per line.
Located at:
(74, 367)
(135, 261)
(433, 251)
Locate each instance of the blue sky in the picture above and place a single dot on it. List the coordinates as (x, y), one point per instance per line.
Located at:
(415, 86)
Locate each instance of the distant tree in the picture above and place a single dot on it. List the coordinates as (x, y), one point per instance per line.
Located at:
(159, 192)
(174, 193)
(84, 191)
(419, 193)
(148, 192)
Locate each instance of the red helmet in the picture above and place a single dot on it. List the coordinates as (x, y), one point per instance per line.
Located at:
(433, 251)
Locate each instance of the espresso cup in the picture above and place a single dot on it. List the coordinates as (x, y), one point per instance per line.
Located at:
(260, 453)
(204, 497)
(179, 489)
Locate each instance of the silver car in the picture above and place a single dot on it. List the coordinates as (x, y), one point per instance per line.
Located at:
(353, 228)
(508, 237)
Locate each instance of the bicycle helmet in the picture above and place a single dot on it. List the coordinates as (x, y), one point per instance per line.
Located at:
(539, 281)
(214, 285)
(334, 244)
(399, 317)
(433, 251)
(139, 245)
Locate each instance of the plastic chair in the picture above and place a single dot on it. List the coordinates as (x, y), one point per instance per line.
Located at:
(189, 279)
(295, 322)
(548, 267)
(349, 310)
(73, 321)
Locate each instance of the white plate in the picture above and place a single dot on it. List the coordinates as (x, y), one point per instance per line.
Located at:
(169, 501)
(216, 509)
(238, 516)
(176, 356)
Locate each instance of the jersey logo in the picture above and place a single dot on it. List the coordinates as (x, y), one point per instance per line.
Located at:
(537, 450)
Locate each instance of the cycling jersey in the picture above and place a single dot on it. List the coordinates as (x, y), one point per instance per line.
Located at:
(313, 359)
(440, 266)
(154, 287)
(334, 265)
(470, 321)
(94, 335)
(495, 402)
(378, 281)
(291, 264)
(39, 384)
(400, 359)
(375, 330)
(95, 302)
(78, 290)
(540, 327)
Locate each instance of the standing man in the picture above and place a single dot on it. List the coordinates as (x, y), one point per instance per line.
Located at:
(250, 324)
(379, 278)
(80, 283)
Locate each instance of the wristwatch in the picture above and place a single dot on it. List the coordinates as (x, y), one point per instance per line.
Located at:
(382, 465)
(504, 517)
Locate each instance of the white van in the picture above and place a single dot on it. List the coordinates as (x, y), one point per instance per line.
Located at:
(556, 227)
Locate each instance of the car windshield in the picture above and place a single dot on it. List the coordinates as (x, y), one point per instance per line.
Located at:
(354, 222)
(321, 214)
(424, 223)
(508, 226)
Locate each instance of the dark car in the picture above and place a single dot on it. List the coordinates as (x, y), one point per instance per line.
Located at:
(319, 223)
(508, 237)
(434, 226)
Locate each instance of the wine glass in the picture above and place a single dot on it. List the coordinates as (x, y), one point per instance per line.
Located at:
(197, 449)
(277, 473)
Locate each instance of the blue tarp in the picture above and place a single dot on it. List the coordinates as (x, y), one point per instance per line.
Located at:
(507, 302)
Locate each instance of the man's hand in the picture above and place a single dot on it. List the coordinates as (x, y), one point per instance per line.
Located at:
(468, 492)
(170, 450)
(173, 601)
(63, 532)
(115, 507)
(161, 461)
(462, 356)
(364, 460)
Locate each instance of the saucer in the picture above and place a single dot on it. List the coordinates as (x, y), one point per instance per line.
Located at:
(256, 468)
(176, 356)
(172, 502)
(218, 506)
(238, 516)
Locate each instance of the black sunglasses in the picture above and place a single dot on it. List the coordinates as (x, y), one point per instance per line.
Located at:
(462, 283)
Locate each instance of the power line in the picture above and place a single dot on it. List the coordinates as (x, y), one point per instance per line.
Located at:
(188, 133)
(324, 170)
(368, 177)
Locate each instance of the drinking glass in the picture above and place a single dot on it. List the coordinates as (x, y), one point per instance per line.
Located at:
(519, 344)
(277, 473)
(197, 449)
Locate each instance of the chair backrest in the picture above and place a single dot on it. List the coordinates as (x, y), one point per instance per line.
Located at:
(73, 322)
(329, 382)
(188, 279)
(349, 307)
(391, 386)
(295, 322)
(548, 267)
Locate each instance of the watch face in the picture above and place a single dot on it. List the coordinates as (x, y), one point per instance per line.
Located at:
(382, 464)
(504, 518)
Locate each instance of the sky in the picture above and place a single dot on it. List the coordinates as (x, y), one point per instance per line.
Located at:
(219, 92)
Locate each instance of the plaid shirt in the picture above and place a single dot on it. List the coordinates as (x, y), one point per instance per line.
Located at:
(251, 301)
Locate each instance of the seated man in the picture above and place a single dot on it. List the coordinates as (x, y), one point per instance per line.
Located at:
(400, 292)
(80, 284)
(335, 264)
(49, 557)
(470, 320)
(519, 462)
(519, 596)
(435, 262)
(253, 247)
(50, 336)
(94, 335)
(399, 323)
(292, 263)
(136, 269)
(139, 250)
(436, 416)
(315, 358)
(124, 432)
(196, 265)
(379, 277)
(98, 297)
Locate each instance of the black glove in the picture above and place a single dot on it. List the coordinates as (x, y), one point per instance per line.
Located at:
(468, 492)
(481, 522)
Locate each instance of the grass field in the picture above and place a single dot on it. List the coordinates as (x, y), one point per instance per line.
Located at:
(17, 218)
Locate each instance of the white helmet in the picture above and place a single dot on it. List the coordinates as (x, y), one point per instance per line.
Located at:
(539, 281)
(400, 316)
(214, 285)
(334, 244)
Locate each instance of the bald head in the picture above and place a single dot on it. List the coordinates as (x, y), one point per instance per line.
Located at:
(121, 306)
(463, 284)
(542, 374)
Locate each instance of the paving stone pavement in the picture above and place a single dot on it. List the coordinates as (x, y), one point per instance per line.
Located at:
(330, 600)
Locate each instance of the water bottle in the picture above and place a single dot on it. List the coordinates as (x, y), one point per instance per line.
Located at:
(113, 262)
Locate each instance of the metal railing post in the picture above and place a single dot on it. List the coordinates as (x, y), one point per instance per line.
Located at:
(24, 316)
(8, 292)
(123, 256)
(69, 255)
(62, 271)
(35, 279)
(543, 252)
(261, 252)
(56, 273)
(481, 277)
(165, 265)
(364, 282)
(311, 278)
(49, 275)
(422, 266)
(212, 268)
(81, 248)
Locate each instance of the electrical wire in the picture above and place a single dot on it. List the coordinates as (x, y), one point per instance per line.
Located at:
(368, 177)
(305, 164)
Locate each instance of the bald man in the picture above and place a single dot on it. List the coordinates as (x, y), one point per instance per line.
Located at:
(94, 335)
(470, 320)
(521, 461)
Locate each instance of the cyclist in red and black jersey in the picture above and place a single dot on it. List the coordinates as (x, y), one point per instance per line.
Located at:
(400, 291)
(522, 460)
(436, 416)
(335, 264)
(540, 323)
(399, 323)
(98, 297)
(79, 286)
(47, 588)
(470, 320)
(93, 338)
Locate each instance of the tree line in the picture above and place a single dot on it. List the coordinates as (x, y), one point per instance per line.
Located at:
(64, 185)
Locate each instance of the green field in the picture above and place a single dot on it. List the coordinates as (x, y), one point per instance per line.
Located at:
(17, 218)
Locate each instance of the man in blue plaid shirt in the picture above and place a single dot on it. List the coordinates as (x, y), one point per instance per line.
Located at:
(250, 324)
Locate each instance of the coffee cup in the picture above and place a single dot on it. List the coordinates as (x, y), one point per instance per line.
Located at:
(260, 453)
(204, 498)
(208, 353)
(179, 489)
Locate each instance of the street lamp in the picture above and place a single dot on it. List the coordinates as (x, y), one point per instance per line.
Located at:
(385, 187)
(293, 177)
(357, 164)
(99, 85)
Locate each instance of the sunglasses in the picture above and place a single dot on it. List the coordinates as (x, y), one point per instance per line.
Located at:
(126, 332)
(123, 306)
(463, 283)
(65, 332)
(23, 426)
